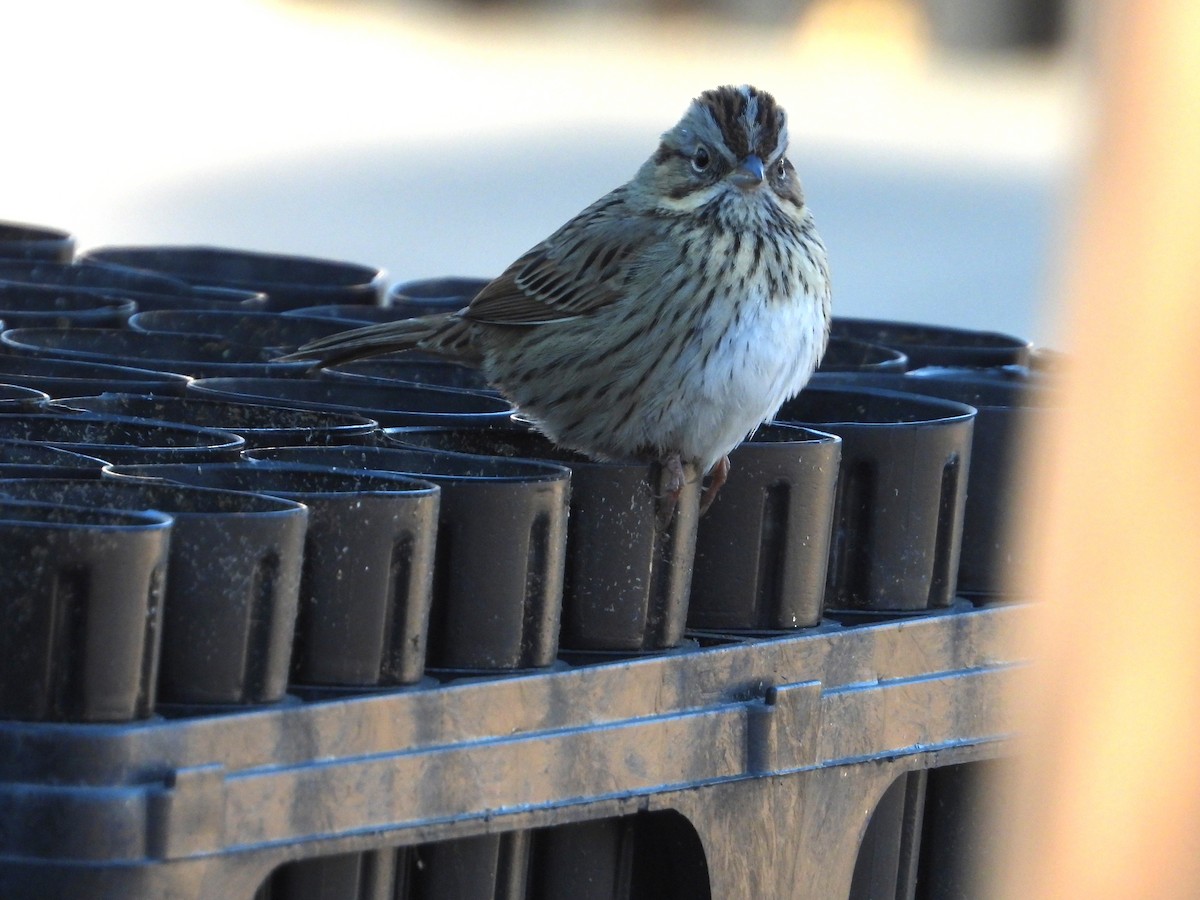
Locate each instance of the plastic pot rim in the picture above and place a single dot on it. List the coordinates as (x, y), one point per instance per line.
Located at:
(18, 339)
(20, 361)
(100, 302)
(407, 485)
(231, 442)
(538, 471)
(351, 420)
(87, 516)
(376, 276)
(27, 231)
(270, 506)
(979, 340)
(954, 410)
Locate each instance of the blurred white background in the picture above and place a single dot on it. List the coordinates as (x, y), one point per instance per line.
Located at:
(438, 139)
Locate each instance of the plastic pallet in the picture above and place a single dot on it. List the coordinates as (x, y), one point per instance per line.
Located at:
(775, 750)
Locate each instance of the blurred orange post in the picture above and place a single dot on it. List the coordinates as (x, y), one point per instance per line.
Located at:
(1108, 799)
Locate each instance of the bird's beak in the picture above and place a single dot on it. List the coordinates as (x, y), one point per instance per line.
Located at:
(749, 173)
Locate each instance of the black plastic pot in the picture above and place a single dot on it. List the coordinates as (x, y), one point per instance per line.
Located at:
(407, 369)
(184, 354)
(20, 459)
(42, 461)
(43, 306)
(847, 355)
(627, 576)
(198, 297)
(83, 597)
(36, 242)
(372, 875)
(288, 281)
(958, 842)
(901, 495)
(122, 440)
(935, 345)
(592, 860)
(75, 378)
(259, 426)
(368, 565)
(1008, 407)
(233, 586)
(890, 847)
(254, 329)
(491, 866)
(501, 547)
(17, 398)
(356, 313)
(763, 548)
(431, 295)
(150, 291)
(387, 404)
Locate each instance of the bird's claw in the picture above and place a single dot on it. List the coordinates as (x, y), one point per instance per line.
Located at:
(716, 478)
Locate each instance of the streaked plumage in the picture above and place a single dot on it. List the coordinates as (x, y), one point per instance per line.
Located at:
(668, 319)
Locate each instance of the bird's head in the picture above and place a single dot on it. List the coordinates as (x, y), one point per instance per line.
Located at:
(726, 157)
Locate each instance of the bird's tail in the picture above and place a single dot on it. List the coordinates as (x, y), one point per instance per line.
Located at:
(441, 333)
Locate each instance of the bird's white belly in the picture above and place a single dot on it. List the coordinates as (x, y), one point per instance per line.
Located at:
(762, 358)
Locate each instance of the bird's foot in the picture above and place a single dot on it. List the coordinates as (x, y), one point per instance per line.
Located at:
(716, 478)
(671, 478)
(671, 481)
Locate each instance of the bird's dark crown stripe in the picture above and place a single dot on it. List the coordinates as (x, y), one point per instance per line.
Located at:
(728, 105)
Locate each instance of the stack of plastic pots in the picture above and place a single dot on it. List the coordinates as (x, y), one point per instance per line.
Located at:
(368, 566)
(993, 373)
(501, 548)
(232, 590)
(35, 242)
(445, 563)
(628, 573)
(234, 577)
(288, 281)
(1008, 405)
(901, 494)
(1009, 409)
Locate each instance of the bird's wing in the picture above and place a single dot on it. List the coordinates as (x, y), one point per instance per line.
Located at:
(580, 268)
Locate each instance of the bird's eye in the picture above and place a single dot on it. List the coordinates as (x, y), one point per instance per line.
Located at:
(701, 159)
(781, 166)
